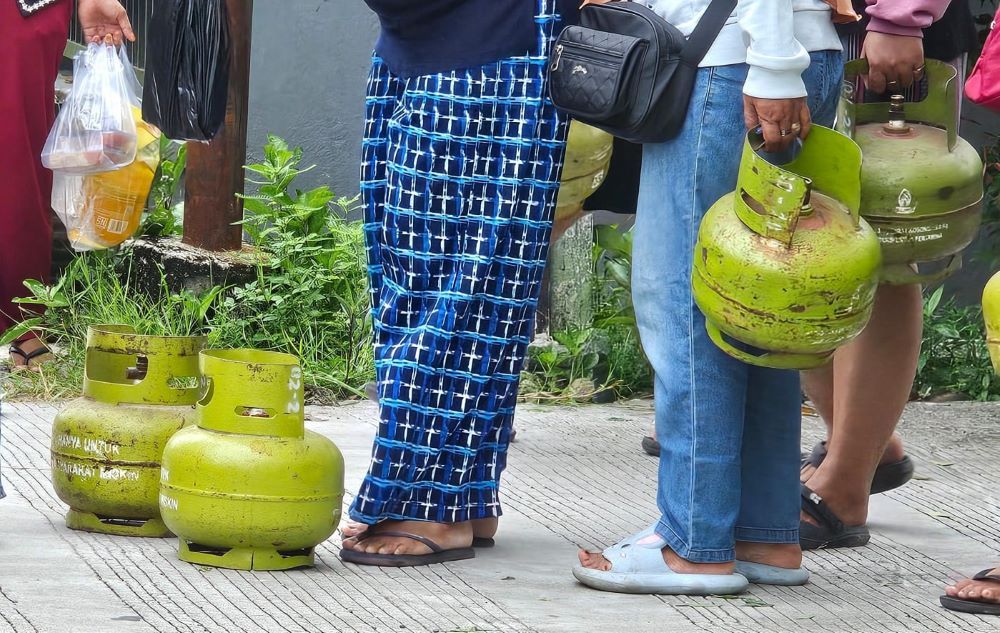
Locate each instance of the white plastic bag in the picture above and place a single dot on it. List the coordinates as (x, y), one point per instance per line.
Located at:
(102, 210)
(95, 130)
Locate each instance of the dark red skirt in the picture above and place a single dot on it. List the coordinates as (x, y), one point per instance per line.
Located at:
(33, 48)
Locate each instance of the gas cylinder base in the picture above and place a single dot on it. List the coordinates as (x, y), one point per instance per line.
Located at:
(246, 558)
(918, 273)
(143, 528)
(764, 358)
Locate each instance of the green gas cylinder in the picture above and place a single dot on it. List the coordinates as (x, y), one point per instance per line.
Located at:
(922, 185)
(588, 155)
(991, 312)
(106, 446)
(249, 487)
(785, 270)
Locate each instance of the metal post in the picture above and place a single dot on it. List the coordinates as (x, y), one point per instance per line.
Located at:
(215, 171)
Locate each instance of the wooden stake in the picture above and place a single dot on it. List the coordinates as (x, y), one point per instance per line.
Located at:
(215, 170)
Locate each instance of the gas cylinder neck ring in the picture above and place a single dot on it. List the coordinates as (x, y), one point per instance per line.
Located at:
(897, 116)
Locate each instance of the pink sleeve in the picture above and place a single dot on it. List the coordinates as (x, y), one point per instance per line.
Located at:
(905, 17)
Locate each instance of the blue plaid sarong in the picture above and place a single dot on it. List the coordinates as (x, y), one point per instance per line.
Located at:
(460, 174)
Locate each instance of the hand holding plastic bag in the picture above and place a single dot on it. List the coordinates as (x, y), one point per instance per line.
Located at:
(95, 130)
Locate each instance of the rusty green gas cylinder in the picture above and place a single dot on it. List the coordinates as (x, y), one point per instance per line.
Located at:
(785, 270)
(921, 185)
(991, 312)
(588, 155)
(107, 445)
(249, 487)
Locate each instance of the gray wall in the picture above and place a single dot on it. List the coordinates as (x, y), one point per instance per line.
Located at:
(310, 61)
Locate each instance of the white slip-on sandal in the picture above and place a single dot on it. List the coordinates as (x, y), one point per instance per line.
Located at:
(637, 567)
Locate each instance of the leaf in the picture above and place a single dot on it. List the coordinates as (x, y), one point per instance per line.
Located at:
(752, 601)
(934, 301)
(19, 330)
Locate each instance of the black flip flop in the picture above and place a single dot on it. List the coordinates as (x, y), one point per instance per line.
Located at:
(887, 476)
(437, 555)
(651, 446)
(974, 606)
(831, 533)
(15, 350)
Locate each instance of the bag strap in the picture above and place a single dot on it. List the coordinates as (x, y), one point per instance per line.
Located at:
(707, 31)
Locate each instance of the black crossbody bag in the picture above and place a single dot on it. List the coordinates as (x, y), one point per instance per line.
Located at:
(627, 71)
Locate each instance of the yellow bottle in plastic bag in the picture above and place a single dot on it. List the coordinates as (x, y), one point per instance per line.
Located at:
(113, 202)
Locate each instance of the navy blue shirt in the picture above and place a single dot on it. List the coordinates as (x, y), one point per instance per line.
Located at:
(422, 37)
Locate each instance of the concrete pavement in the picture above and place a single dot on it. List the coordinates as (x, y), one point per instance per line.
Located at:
(576, 477)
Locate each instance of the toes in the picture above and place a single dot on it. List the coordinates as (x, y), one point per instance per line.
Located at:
(352, 529)
(951, 590)
(594, 560)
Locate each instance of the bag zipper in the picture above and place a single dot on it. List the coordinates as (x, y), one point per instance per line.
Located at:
(555, 62)
(586, 53)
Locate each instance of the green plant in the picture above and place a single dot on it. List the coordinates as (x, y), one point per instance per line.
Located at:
(954, 357)
(561, 371)
(628, 367)
(987, 250)
(609, 351)
(310, 297)
(94, 290)
(613, 276)
(164, 212)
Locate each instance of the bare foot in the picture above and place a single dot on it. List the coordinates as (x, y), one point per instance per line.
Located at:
(445, 535)
(596, 560)
(784, 555)
(977, 590)
(481, 528)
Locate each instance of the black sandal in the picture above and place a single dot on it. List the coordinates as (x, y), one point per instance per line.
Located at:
(974, 606)
(437, 555)
(651, 446)
(887, 476)
(15, 350)
(831, 532)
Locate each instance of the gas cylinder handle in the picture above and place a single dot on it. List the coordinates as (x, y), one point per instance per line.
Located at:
(938, 108)
(251, 392)
(771, 198)
(112, 349)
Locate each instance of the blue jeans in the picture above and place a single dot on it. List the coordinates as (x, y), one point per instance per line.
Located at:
(729, 432)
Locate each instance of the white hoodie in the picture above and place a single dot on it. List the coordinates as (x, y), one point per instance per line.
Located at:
(774, 37)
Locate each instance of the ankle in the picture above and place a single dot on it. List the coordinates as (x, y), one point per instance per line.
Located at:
(850, 491)
(785, 555)
(485, 528)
